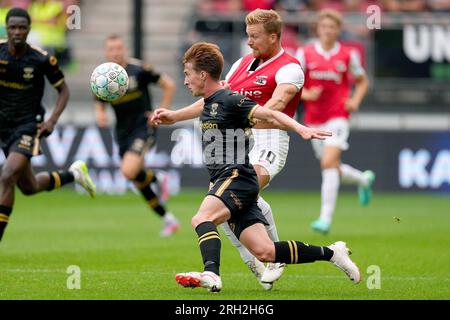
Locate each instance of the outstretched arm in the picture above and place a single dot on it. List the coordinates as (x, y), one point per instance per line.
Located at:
(282, 95)
(168, 117)
(281, 121)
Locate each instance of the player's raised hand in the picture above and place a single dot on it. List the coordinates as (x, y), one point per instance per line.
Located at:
(162, 116)
(313, 133)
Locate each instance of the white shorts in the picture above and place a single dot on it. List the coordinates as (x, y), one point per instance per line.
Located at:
(270, 150)
(340, 129)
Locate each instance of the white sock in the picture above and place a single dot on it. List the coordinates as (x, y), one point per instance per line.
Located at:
(169, 217)
(267, 212)
(330, 189)
(350, 175)
(245, 254)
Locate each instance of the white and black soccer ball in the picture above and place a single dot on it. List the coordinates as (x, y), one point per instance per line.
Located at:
(109, 81)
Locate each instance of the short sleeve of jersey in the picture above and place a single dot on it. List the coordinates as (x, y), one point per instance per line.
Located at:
(233, 69)
(149, 75)
(244, 108)
(291, 73)
(356, 68)
(52, 71)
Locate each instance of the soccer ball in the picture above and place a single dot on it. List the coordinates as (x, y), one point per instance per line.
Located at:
(109, 81)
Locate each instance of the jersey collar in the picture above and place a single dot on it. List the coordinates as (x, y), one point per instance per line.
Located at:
(327, 54)
(268, 61)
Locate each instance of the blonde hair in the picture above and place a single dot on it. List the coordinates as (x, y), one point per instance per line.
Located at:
(331, 14)
(270, 19)
(205, 56)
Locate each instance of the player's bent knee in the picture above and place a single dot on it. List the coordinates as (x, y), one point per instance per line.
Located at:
(263, 256)
(129, 174)
(263, 253)
(196, 220)
(329, 164)
(27, 191)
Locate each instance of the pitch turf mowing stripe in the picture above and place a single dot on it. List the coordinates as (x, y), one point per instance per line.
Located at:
(228, 274)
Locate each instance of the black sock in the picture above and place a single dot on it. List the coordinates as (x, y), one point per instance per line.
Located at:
(152, 200)
(210, 245)
(293, 252)
(5, 212)
(59, 178)
(145, 176)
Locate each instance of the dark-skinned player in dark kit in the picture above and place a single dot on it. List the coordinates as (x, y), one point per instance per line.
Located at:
(23, 69)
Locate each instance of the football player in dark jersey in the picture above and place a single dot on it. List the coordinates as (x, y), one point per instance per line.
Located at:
(23, 69)
(225, 120)
(134, 134)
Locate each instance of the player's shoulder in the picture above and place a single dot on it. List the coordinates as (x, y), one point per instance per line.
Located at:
(289, 59)
(42, 55)
(139, 64)
(226, 97)
(310, 47)
(135, 62)
(38, 51)
(345, 50)
(232, 99)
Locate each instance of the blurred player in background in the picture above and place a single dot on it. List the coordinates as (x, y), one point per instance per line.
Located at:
(134, 134)
(328, 101)
(23, 69)
(234, 187)
(273, 79)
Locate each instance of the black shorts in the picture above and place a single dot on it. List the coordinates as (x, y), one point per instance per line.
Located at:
(21, 140)
(139, 141)
(238, 189)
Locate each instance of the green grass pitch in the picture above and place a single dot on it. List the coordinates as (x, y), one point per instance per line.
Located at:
(114, 240)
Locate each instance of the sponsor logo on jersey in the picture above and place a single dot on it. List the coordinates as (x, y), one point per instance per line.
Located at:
(214, 107)
(261, 80)
(326, 75)
(249, 93)
(209, 125)
(340, 66)
(28, 73)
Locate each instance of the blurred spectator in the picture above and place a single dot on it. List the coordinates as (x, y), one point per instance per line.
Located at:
(5, 5)
(289, 39)
(439, 5)
(327, 4)
(250, 5)
(219, 6)
(357, 5)
(20, 3)
(49, 24)
(404, 5)
(291, 6)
